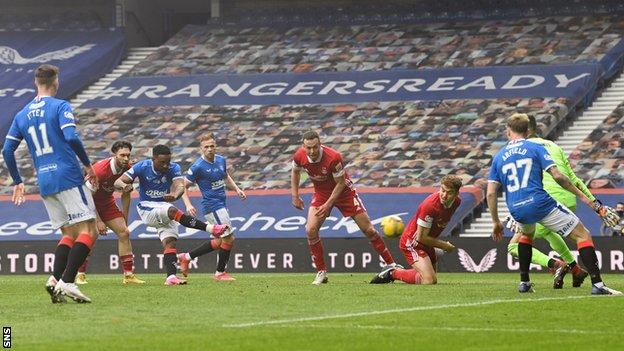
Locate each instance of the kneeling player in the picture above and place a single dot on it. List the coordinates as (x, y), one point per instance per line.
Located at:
(419, 240)
(162, 182)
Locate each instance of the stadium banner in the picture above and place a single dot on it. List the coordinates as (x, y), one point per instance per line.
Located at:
(571, 81)
(264, 214)
(475, 255)
(82, 57)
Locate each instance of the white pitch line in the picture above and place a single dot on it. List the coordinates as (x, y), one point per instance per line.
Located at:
(452, 329)
(399, 310)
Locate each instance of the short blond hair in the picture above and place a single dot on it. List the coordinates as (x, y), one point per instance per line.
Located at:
(518, 123)
(207, 136)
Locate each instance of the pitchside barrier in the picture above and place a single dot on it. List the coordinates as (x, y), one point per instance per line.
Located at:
(291, 255)
(271, 237)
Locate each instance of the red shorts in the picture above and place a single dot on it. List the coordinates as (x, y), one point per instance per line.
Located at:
(107, 209)
(349, 203)
(412, 254)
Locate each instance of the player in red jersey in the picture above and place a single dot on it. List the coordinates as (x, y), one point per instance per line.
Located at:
(420, 242)
(108, 213)
(332, 188)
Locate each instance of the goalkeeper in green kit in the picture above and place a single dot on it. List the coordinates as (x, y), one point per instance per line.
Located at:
(566, 198)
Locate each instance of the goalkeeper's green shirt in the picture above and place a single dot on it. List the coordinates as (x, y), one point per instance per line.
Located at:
(553, 188)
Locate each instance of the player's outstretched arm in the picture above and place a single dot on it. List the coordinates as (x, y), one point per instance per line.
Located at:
(492, 202)
(567, 169)
(422, 233)
(565, 183)
(295, 178)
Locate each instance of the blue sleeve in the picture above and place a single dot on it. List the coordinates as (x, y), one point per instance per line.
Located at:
(175, 171)
(14, 132)
(134, 171)
(191, 174)
(72, 138)
(67, 123)
(544, 157)
(8, 152)
(494, 176)
(66, 116)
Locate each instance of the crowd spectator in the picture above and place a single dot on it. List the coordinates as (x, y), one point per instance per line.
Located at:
(545, 40)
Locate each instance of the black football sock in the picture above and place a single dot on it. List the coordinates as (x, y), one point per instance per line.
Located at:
(60, 260)
(525, 251)
(590, 260)
(206, 247)
(169, 260)
(77, 255)
(224, 257)
(190, 222)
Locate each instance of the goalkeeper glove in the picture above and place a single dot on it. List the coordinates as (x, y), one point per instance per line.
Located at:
(608, 215)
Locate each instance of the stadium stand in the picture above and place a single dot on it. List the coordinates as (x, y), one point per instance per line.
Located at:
(599, 159)
(388, 143)
(204, 49)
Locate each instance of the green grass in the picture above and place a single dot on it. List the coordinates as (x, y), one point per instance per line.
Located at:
(284, 312)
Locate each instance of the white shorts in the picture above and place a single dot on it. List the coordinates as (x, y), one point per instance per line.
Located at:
(70, 206)
(220, 216)
(154, 214)
(560, 220)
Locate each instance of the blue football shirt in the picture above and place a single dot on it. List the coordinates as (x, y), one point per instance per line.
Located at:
(518, 168)
(210, 178)
(41, 124)
(153, 185)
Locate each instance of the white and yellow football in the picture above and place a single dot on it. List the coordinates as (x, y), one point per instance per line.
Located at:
(392, 226)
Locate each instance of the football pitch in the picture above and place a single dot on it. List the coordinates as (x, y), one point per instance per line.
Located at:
(284, 312)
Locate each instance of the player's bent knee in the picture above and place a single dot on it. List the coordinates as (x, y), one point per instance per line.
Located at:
(580, 233)
(429, 280)
(312, 233)
(123, 235)
(171, 212)
(370, 232)
(169, 243)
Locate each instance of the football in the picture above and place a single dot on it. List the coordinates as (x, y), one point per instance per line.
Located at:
(392, 226)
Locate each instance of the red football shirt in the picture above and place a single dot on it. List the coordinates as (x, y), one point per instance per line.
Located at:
(107, 173)
(323, 171)
(430, 214)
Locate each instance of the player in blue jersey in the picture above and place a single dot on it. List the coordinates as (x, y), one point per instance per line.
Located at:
(49, 128)
(518, 168)
(210, 173)
(160, 183)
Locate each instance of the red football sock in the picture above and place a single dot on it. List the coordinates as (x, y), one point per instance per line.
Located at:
(85, 264)
(382, 250)
(127, 262)
(409, 276)
(316, 250)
